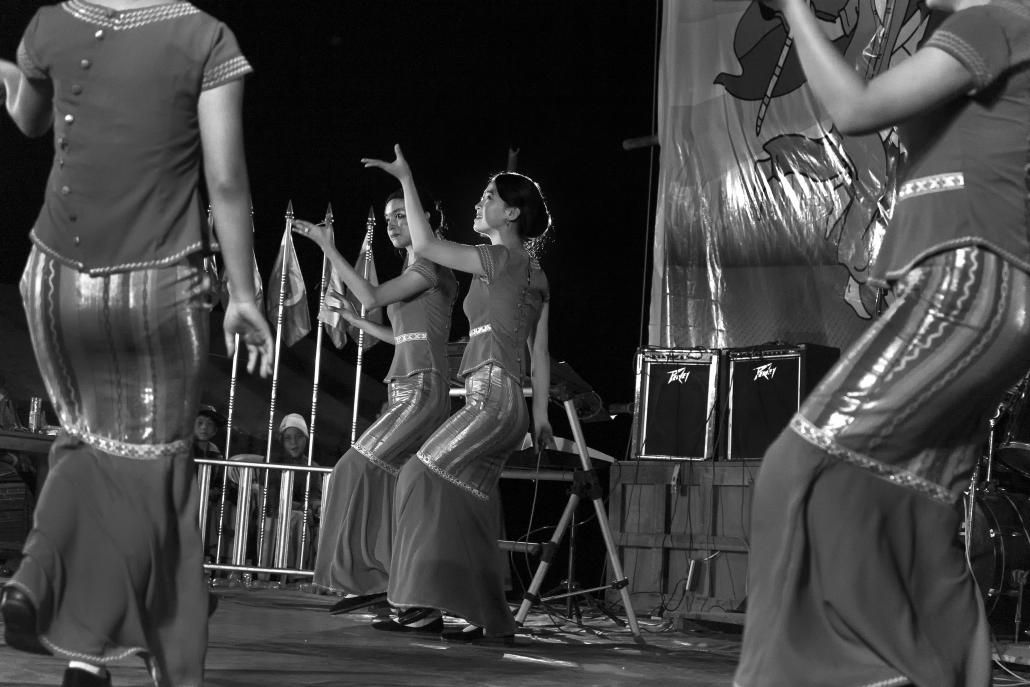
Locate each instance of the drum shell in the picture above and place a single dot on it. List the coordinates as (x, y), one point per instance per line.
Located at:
(1013, 448)
(999, 544)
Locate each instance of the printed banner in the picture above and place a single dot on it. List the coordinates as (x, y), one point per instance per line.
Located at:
(768, 218)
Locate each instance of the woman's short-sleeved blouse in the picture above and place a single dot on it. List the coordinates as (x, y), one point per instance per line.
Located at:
(422, 324)
(503, 306)
(123, 188)
(964, 180)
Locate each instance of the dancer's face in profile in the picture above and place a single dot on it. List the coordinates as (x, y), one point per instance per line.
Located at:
(204, 428)
(397, 223)
(294, 442)
(490, 211)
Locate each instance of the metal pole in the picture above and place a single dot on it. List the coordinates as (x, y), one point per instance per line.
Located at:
(302, 546)
(370, 225)
(228, 442)
(275, 380)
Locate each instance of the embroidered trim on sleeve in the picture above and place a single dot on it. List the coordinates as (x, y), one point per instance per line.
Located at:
(480, 330)
(964, 53)
(225, 72)
(487, 258)
(426, 270)
(27, 64)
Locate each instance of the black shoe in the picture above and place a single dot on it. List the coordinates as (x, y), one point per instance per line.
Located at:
(20, 622)
(76, 677)
(416, 619)
(471, 633)
(353, 603)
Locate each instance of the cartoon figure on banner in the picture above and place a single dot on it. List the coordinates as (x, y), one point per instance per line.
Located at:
(858, 170)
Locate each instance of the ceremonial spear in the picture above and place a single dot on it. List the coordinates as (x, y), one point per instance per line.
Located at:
(275, 389)
(370, 225)
(314, 403)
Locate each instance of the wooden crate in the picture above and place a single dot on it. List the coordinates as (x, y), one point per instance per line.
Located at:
(15, 516)
(669, 515)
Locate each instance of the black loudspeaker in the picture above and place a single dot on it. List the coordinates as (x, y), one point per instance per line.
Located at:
(763, 388)
(675, 409)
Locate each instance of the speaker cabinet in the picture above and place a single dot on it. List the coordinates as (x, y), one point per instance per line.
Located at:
(764, 387)
(675, 416)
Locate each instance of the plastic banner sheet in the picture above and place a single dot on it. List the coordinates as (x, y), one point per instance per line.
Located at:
(768, 218)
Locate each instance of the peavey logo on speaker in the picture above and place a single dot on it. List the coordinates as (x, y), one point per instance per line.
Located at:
(680, 375)
(767, 371)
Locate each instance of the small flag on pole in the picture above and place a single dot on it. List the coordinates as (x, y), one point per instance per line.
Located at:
(335, 325)
(366, 266)
(296, 316)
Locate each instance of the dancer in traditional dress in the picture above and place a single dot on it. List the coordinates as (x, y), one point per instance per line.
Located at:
(118, 309)
(357, 517)
(858, 575)
(445, 553)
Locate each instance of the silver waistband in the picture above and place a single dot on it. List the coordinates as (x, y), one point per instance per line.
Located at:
(932, 184)
(480, 330)
(411, 336)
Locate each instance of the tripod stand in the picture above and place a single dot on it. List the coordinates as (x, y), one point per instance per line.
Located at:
(584, 486)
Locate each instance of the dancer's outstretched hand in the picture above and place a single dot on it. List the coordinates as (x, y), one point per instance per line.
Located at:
(398, 168)
(246, 319)
(338, 303)
(319, 233)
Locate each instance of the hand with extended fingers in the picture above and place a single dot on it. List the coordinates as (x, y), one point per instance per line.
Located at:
(398, 168)
(319, 233)
(245, 318)
(338, 303)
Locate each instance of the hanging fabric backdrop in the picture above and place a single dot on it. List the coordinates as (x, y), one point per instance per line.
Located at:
(768, 218)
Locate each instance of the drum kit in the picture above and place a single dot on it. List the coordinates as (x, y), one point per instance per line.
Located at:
(996, 527)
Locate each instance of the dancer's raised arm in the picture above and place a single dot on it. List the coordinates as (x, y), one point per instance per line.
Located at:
(920, 82)
(28, 100)
(457, 256)
(402, 287)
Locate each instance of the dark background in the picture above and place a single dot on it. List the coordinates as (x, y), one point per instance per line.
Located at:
(456, 82)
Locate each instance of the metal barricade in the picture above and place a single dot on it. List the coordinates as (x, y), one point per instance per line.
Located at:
(276, 534)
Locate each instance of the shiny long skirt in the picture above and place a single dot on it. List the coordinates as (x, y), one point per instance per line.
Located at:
(857, 573)
(357, 517)
(114, 563)
(445, 552)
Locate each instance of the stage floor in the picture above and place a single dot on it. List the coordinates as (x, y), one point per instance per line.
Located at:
(266, 638)
(284, 638)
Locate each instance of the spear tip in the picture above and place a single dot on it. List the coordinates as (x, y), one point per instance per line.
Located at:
(329, 213)
(289, 208)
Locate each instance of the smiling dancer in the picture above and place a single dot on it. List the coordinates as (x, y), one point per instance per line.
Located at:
(858, 576)
(445, 553)
(357, 520)
(118, 307)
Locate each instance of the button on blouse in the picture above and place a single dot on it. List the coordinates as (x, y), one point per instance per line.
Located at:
(125, 141)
